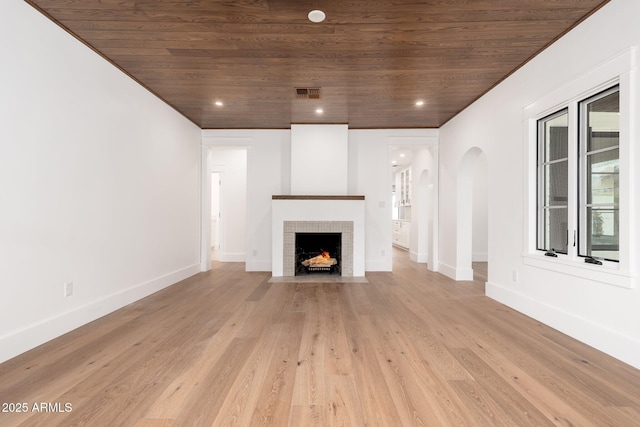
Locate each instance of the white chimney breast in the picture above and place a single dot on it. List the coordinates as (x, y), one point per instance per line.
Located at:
(319, 159)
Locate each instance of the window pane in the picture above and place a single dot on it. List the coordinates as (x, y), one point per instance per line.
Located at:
(555, 229)
(556, 175)
(603, 122)
(600, 140)
(553, 165)
(603, 234)
(599, 178)
(602, 178)
(556, 138)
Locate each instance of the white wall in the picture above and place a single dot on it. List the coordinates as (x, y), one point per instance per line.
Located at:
(319, 159)
(603, 315)
(98, 185)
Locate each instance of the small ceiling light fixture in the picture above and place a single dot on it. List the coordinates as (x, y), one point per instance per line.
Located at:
(319, 110)
(219, 104)
(419, 103)
(316, 16)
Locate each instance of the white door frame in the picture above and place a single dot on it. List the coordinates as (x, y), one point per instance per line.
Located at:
(429, 143)
(206, 168)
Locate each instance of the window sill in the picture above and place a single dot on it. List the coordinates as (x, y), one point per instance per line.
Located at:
(578, 268)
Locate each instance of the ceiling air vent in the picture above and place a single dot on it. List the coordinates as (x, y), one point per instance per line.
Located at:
(308, 92)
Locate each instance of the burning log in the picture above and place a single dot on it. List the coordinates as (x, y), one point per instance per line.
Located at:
(322, 260)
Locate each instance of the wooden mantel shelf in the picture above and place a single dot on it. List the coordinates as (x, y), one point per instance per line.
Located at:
(310, 197)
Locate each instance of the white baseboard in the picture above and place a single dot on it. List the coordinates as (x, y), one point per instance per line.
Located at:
(45, 330)
(418, 257)
(615, 344)
(455, 273)
(447, 270)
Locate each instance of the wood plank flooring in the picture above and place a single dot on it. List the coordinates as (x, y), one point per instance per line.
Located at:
(228, 348)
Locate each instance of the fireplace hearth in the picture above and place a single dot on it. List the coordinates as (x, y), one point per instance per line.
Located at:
(318, 253)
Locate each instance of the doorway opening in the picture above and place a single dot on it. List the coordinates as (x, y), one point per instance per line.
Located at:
(224, 189)
(414, 198)
(472, 231)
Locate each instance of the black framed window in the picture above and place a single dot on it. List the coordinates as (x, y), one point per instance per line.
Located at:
(553, 194)
(599, 183)
(578, 184)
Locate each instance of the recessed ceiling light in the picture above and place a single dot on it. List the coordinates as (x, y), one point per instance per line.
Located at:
(394, 161)
(219, 104)
(401, 154)
(319, 110)
(316, 16)
(419, 103)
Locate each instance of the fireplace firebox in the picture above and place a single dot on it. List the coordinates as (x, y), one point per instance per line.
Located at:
(346, 253)
(318, 253)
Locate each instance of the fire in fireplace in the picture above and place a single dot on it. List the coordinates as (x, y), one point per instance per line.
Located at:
(318, 253)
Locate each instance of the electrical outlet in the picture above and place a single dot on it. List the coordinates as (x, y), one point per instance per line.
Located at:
(515, 276)
(68, 289)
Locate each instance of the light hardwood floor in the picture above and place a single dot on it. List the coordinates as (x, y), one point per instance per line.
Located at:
(409, 348)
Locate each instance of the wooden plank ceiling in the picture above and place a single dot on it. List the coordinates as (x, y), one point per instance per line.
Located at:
(372, 60)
